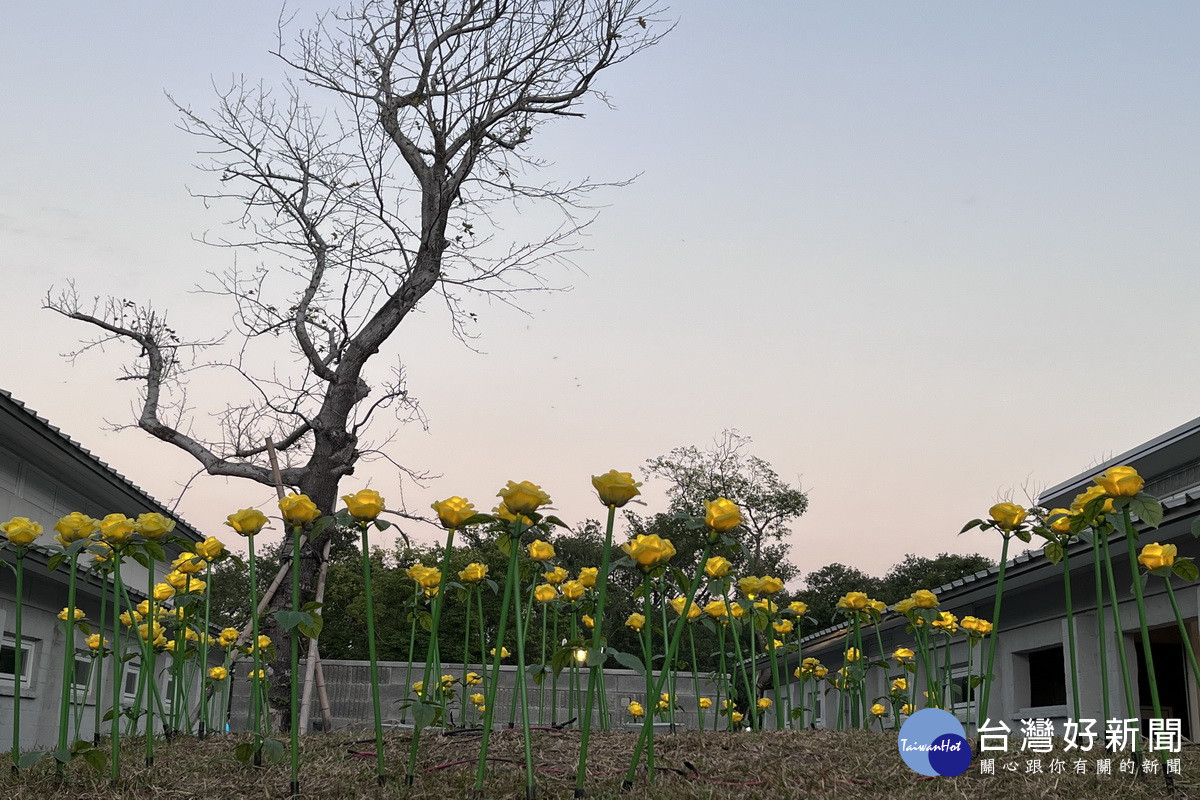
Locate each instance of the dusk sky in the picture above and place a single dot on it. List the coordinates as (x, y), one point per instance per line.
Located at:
(927, 255)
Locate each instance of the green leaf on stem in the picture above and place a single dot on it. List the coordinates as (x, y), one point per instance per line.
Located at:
(95, 758)
(312, 625)
(975, 523)
(1186, 569)
(628, 661)
(504, 543)
(423, 715)
(290, 619)
(155, 550)
(1053, 551)
(244, 752)
(55, 561)
(273, 750)
(29, 759)
(596, 658)
(1148, 509)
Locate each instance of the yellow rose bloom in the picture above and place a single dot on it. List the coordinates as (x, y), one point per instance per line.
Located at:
(264, 641)
(555, 576)
(545, 593)
(425, 577)
(820, 671)
(798, 608)
(1088, 495)
(454, 511)
(736, 610)
(73, 527)
(635, 709)
(705, 702)
(541, 551)
(523, 497)
(100, 551)
(447, 681)
(96, 641)
(218, 673)
(503, 652)
(852, 654)
(907, 709)
(79, 615)
(947, 622)
(977, 626)
(573, 590)
(227, 637)
(587, 621)
(299, 509)
(615, 488)
(722, 515)
(210, 548)
(163, 591)
(1120, 481)
(418, 686)
(472, 679)
(693, 610)
(1007, 516)
(771, 585)
(1060, 520)
(923, 598)
(1157, 555)
(878, 710)
(474, 573)
(764, 703)
(636, 621)
(247, 521)
(503, 513)
(154, 525)
(855, 601)
(900, 685)
(715, 609)
(903, 655)
(117, 529)
(189, 563)
(904, 606)
(588, 576)
(717, 567)
(649, 551)
(736, 716)
(877, 605)
(766, 605)
(750, 586)
(261, 675)
(478, 699)
(784, 626)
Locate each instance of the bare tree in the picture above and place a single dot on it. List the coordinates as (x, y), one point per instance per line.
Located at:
(381, 174)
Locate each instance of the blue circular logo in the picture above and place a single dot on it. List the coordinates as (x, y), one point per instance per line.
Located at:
(933, 742)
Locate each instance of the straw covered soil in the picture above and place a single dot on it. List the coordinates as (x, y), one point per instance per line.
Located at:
(793, 764)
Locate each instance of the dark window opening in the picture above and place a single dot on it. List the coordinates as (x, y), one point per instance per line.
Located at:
(1047, 677)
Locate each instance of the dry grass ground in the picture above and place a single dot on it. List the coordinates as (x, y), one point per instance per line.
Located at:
(804, 764)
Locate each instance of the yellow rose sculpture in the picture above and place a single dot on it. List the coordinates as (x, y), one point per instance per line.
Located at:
(298, 509)
(615, 488)
(453, 511)
(247, 521)
(1157, 555)
(1120, 481)
(722, 515)
(523, 497)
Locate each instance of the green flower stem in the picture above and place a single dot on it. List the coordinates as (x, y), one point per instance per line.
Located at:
(462, 699)
(1066, 562)
(862, 679)
(369, 596)
(752, 657)
(150, 660)
(921, 636)
(512, 710)
(412, 640)
(114, 767)
(68, 662)
(967, 694)
(995, 640)
(1104, 690)
(774, 672)
(651, 695)
(432, 659)
(542, 685)
(17, 681)
(595, 672)
(294, 636)
(695, 677)
(948, 681)
(256, 695)
(522, 682)
(1130, 703)
(799, 661)
(98, 663)
(493, 684)
(1131, 549)
(573, 709)
(204, 705)
(1183, 632)
(675, 637)
(482, 640)
(737, 650)
(669, 669)
(723, 679)
(554, 678)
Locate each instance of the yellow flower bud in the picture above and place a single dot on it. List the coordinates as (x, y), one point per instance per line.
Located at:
(588, 576)
(649, 551)
(1007, 516)
(474, 573)
(210, 548)
(247, 521)
(454, 511)
(545, 593)
(636, 621)
(541, 551)
(218, 673)
(154, 525)
(73, 527)
(923, 598)
(615, 488)
(523, 497)
(573, 590)
(717, 567)
(117, 529)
